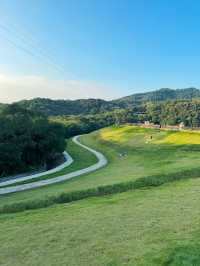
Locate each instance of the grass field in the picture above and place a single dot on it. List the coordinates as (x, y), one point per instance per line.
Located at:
(154, 226)
(143, 156)
(157, 226)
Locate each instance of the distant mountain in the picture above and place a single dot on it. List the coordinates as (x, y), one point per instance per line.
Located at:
(94, 106)
(159, 95)
(68, 107)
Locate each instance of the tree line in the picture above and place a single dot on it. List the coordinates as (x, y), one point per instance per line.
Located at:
(164, 113)
(174, 112)
(28, 140)
(51, 107)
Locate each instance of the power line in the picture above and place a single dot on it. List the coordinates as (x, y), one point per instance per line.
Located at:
(35, 51)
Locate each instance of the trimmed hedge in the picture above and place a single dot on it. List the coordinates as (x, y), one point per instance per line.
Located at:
(145, 182)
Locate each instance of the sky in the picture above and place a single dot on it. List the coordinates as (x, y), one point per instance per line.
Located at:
(71, 49)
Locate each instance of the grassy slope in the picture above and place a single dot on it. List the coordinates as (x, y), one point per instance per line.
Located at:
(144, 157)
(157, 226)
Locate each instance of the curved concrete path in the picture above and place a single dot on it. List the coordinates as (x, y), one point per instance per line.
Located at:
(68, 158)
(102, 161)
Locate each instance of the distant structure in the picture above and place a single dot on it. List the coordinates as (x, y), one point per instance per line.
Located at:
(181, 125)
(147, 123)
(150, 125)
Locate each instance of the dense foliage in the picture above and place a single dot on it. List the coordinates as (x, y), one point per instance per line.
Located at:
(27, 140)
(75, 125)
(173, 113)
(95, 106)
(68, 107)
(164, 113)
(158, 96)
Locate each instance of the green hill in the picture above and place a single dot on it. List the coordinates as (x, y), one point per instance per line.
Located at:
(95, 106)
(158, 96)
(68, 107)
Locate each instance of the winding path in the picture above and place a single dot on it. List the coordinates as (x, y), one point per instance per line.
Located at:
(68, 161)
(102, 161)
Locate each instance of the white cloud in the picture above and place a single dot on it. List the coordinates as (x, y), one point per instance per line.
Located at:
(14, 88)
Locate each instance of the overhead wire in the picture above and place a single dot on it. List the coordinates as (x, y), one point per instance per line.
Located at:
(26, 43)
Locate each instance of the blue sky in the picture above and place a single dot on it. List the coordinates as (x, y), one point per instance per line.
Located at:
(97, 48)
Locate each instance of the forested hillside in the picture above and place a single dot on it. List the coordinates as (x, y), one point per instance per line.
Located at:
(165, 107)
(95, 106)
(158, 96)
(68, 107)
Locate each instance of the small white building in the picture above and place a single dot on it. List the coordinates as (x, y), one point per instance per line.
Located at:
(181, 125)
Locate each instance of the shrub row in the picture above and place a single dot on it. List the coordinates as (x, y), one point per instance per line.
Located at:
(145, 182)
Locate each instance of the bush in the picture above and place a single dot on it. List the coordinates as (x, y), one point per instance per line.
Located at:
(145, 182)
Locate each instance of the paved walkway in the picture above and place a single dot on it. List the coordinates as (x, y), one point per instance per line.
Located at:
(68, 161)
(102, 161)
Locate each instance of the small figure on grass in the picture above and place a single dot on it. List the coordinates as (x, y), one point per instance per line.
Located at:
(122, 154)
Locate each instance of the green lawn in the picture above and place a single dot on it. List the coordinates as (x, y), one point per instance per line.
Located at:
(159, 226)
(147, 152)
